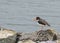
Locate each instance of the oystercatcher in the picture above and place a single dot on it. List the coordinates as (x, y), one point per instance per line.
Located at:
(41, 21)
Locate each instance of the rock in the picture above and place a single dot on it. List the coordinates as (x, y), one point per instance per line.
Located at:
(30, 41)
(47, 42)
(31, 36)
(49, 34)
(58, 36)
(7, 36)
(41, 36)
(17, 37)
(58, 41)
(27, 41)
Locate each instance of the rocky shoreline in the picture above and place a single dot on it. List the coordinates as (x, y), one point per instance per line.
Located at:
(10, 36)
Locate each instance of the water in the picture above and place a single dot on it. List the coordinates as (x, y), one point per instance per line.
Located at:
(17, 14)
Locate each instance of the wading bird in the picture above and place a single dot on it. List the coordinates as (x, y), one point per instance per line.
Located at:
(41, 21)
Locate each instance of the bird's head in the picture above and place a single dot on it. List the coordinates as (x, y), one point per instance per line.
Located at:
(36, 18)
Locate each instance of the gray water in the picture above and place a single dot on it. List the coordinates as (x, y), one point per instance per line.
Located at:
(17, 14)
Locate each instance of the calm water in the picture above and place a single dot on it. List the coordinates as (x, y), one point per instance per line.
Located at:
(17, 14)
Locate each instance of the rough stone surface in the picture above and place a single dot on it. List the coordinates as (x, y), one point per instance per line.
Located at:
(30, 41)
(41, 36)
(27, 41)
(7, 36)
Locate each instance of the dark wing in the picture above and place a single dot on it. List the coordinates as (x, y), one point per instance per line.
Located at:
(44, 22)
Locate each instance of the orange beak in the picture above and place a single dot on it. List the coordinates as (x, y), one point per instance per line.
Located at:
(34, 19)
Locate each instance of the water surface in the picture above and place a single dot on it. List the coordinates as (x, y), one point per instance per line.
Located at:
(17, 14)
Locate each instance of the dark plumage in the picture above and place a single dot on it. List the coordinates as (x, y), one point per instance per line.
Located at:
(42, 21)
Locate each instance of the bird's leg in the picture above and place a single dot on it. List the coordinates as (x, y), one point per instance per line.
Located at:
(42, 27)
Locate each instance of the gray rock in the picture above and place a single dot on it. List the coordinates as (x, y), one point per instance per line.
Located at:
(10, 36)
(7, 36)
(41, 35)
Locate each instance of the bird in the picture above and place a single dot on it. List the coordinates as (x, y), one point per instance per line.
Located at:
(41, 21)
